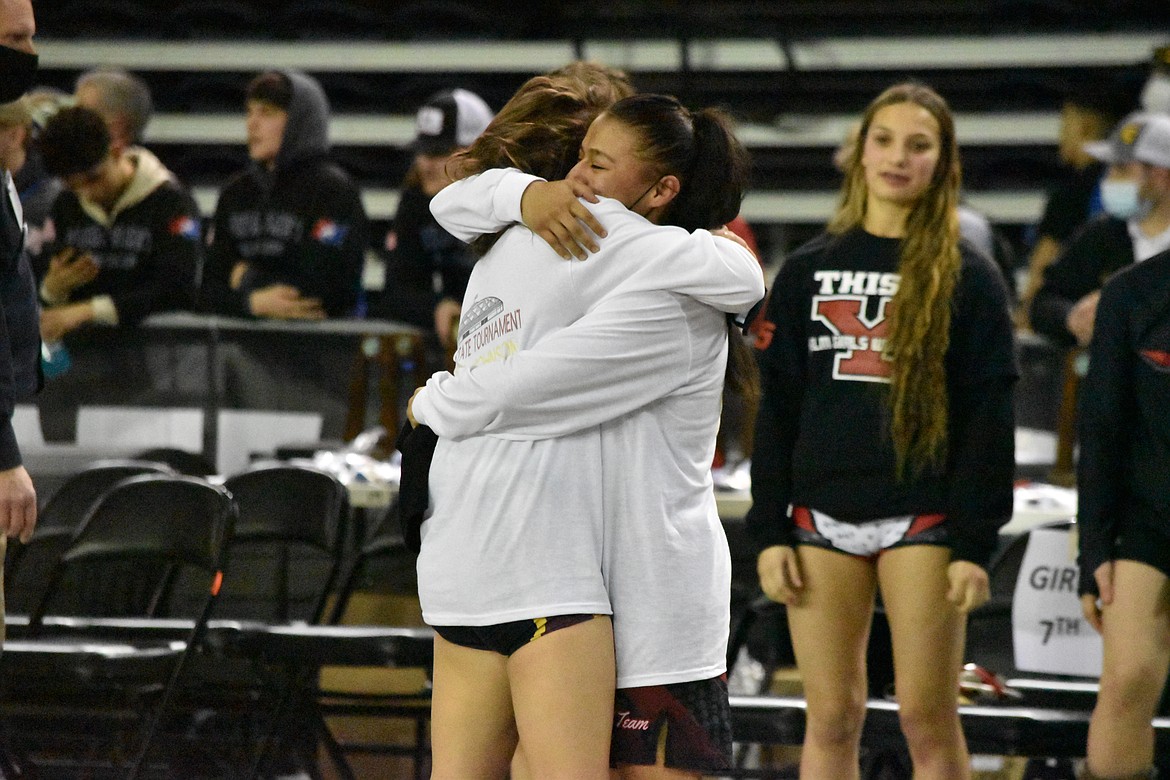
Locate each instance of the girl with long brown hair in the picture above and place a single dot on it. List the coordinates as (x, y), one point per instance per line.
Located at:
(884, 442)
(516, 559)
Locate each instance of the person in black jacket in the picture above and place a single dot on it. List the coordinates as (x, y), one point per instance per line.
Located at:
(127, 245)
(289, 233)
(1087, 114)
(288, 241)
(1123, 513)
(426, 267)
(884, 441)
(1136, 226)
(20, 344)
(128, 241)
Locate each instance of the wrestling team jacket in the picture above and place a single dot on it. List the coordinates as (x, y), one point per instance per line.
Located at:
(822, 437)
(303, 225)
(148, 247)
(1123, 472)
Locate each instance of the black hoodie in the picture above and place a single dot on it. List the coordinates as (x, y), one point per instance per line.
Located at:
(300, 224)
(1123, 474)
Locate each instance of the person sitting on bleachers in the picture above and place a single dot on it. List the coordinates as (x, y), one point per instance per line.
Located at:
(127, 244)
(127, 233)
(123, 101)
(1086, 116)
(290, 232)
(1136, 196)
(426, 267)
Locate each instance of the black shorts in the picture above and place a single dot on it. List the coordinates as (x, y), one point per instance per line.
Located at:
(689, 722)
(1137, 541)
(507, 638)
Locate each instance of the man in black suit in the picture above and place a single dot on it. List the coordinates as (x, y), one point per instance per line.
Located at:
(20, 341)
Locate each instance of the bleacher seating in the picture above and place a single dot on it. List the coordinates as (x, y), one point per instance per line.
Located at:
(793, 73)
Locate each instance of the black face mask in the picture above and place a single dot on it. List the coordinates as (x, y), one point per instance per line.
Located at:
(18, 72)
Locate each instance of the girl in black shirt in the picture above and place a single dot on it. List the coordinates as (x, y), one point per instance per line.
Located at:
(886, 426)
(1123, 513)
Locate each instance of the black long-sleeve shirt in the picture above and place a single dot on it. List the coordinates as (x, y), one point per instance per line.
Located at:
(426, 264)
(822, 436)
(1097, 251)
(1123, 473)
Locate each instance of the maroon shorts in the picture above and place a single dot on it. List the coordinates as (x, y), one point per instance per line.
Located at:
(690, 723)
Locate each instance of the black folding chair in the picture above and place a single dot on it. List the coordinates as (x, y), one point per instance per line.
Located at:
(282, 566)
(28, 565)
(107, 698)
(382, 565)
(285, 556)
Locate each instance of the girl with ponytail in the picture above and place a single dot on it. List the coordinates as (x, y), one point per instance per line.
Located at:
(884, 441)
(576, 438)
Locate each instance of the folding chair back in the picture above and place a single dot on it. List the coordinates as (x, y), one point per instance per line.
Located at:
(157, 524)
(286, 552)
(27, 566)
(383, 565)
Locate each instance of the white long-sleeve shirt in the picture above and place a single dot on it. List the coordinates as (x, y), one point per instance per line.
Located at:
(646, 364)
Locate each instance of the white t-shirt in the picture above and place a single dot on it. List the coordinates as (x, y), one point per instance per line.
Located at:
(646, 365)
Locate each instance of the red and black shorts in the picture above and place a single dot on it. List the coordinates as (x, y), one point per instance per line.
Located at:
(507, 638)
(867, 539)
(685, 726)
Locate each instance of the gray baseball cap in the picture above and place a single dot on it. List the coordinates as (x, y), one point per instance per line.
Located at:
(1118, 147)
(1153, 145)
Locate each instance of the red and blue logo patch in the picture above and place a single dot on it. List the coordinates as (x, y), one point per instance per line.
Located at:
(185, 227)
(1157, 359)
(329, 233)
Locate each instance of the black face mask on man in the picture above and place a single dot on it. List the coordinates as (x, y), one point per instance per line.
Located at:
(18, 72)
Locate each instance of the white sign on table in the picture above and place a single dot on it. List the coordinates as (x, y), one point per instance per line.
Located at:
(1049, 633)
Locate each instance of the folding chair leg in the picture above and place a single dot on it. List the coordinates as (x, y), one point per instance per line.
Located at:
(333, 748)
(271, 736)
(421, 749)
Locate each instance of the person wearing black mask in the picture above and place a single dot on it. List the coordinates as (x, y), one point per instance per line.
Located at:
(20, 342)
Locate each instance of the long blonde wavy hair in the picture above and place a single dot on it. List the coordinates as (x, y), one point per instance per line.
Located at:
(920, 312)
